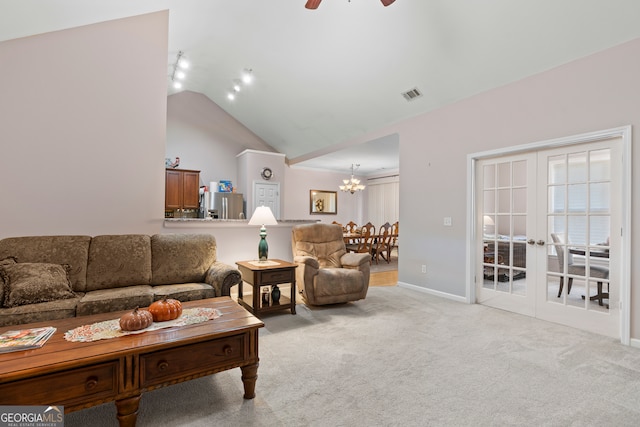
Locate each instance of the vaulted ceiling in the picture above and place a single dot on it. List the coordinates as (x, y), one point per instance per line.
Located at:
(325, 77)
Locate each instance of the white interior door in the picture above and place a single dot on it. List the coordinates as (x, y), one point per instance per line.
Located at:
(580, 200)
(267, 194)
(549, 234)
(506, 197)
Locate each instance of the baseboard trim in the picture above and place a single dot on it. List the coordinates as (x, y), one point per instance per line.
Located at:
(634, 342)
(432, 292)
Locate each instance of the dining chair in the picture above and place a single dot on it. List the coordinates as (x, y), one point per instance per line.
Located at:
(382, 244)
(350, 228)
(394, 237)
(595, 271)
(365, 242)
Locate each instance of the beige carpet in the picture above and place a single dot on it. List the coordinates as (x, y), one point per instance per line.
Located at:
(405, 358)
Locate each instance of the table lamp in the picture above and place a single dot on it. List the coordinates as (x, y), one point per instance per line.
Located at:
(263, 216)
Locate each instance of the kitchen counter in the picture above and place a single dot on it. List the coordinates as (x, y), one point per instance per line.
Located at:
(226, 223)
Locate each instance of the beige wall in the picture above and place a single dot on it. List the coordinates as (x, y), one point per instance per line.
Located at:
(82, 114)
(83, 142)
(598, 92)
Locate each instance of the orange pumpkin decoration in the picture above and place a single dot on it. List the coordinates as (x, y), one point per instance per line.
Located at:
(165, 309)
(136, 320)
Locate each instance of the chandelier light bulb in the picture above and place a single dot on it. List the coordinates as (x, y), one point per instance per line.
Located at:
(231, 96)
(183, 63)
(352, 185)
(177, 85)
(180, 75)
(236, 87)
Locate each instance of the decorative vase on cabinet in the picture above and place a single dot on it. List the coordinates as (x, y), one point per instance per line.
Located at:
(275, 295)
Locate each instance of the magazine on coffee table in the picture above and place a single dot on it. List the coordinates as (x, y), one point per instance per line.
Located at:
(25, 339)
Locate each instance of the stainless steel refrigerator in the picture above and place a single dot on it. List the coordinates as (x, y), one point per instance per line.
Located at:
(227, 206)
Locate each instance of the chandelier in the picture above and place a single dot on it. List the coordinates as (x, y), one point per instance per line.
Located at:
(352, 185)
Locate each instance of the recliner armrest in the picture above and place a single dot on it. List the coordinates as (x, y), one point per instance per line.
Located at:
(222, 277)
(354, 259)
(307, 260)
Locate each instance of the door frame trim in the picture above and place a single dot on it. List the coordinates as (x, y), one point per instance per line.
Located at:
(624, 133)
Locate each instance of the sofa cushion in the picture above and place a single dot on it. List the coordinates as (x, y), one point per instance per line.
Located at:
(117, 261)
(31, 283)
(116, 299)
(184, 291)
(53, 310)
(338, 281)
(181, 258)
(71, 250)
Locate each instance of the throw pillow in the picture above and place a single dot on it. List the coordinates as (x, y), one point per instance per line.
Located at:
(31, 283)
(5, 261)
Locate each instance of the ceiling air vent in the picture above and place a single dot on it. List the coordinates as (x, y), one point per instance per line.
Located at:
(412, 94)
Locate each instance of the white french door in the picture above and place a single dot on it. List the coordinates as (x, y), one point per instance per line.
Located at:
(505, 198)
(580, 202)
(548, 233)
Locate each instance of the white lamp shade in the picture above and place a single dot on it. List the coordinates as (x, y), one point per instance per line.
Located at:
(263, 216)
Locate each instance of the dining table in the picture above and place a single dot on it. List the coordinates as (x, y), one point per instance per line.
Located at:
(597, 253)
(350, 237)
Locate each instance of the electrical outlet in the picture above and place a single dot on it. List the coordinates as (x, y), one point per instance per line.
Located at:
(447, 221)
(424, 268)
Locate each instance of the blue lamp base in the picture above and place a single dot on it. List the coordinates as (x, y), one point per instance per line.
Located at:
(263, 248)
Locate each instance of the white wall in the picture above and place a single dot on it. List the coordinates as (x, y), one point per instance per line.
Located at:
(84, 151)
(250, 164)
(82, 134)
(206, 138)
(598, 92)
(296, 199)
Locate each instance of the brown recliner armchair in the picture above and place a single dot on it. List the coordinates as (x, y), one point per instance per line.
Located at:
(327, 273)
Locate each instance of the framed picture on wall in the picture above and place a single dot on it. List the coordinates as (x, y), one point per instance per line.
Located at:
(323, 202)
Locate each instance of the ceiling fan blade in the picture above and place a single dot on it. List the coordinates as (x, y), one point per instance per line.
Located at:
(312, 4)
(386, 3)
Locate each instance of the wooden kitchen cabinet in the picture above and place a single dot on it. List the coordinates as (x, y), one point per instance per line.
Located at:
(182, 188)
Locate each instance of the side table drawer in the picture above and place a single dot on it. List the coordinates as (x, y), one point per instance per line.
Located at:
(277, 277)
(63, 388)
(192, 359)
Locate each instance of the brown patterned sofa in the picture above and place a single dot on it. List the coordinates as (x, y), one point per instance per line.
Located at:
(53, 277)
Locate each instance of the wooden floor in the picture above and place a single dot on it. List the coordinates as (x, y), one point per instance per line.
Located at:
(384, 278)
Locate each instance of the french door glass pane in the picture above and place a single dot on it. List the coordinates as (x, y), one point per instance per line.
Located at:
(519, 200)
(579, 225)
(504, 226)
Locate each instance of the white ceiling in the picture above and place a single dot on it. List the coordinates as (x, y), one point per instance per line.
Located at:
(325, 77)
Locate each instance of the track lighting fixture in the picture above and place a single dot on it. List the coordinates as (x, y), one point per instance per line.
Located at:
(178, 72)
(246, 78)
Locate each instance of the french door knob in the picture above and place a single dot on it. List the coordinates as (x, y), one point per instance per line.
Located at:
(540, 242)
(531, 242)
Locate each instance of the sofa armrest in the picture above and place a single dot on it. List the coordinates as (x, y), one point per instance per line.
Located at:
(354, 260)
(222, 277)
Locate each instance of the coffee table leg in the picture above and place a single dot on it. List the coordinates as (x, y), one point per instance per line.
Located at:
(128, 411)
(249, 377)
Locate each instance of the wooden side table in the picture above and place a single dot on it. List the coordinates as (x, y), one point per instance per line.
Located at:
(267, 273)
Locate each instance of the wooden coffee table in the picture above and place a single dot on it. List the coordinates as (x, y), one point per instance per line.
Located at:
(80, 375)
